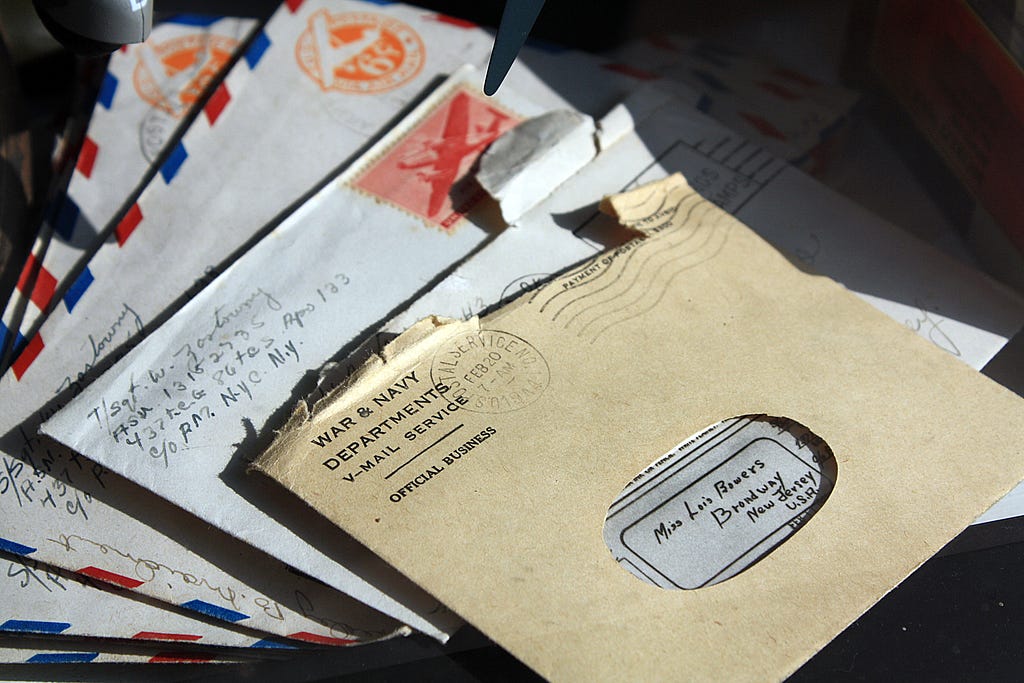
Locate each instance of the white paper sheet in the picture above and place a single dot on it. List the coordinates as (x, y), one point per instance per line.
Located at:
(796, 117)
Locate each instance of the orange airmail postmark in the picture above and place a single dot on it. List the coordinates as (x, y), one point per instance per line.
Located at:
(359, 52)
(172, 75)
(424, 172)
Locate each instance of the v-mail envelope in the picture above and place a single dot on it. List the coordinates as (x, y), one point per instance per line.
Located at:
(500, 445)
(146, 96)
(192, 401)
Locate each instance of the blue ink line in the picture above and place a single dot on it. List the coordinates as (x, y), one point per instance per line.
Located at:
(26, 626)
(173, 163)
(77, 289)
(214, 611)
(6, 545)
(107, 90)
(62, 657)
(255, 52)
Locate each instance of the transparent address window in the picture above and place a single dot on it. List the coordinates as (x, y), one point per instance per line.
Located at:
(720, 501)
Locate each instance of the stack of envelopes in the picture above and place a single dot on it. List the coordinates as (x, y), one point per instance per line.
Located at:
(668, 420)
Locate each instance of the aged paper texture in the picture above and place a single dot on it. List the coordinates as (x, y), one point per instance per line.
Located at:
(481, 457)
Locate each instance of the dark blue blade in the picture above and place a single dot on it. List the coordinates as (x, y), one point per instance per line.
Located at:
(516, 22)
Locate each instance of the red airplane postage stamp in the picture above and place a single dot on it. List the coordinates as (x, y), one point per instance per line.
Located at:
(424, 172)
(359, 52)
(172, 75)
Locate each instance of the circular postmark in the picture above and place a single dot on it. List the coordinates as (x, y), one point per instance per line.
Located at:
(155, 130)
(172, 76)
(494, 371)
(523, 284)
(359, 52)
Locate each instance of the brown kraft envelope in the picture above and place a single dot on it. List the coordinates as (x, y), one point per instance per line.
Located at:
(481, 458)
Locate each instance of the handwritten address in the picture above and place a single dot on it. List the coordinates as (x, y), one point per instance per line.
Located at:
(166, 406)
(720, 501)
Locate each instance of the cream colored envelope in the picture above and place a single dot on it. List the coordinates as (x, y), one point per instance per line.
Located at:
(481, 458)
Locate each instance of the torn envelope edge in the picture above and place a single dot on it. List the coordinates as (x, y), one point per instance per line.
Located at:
(362, 378)
(527, 164)
(358, 370)
(430, 333)
(382, 347)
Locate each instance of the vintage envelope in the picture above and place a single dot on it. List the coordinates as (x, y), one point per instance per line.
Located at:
(86, 79)
(653, 134)
(317, 85)
(43, 600)
(145, 101)
(482, 458)
(795, 116)
(43, 650)
(213, 377)
(62, 510)
(955, 307)
(269, 84)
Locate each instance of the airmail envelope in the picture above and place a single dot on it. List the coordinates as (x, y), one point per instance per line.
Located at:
(144, 105)
(79, 651)
(43, 600)
(50, 650)
(797, 452)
